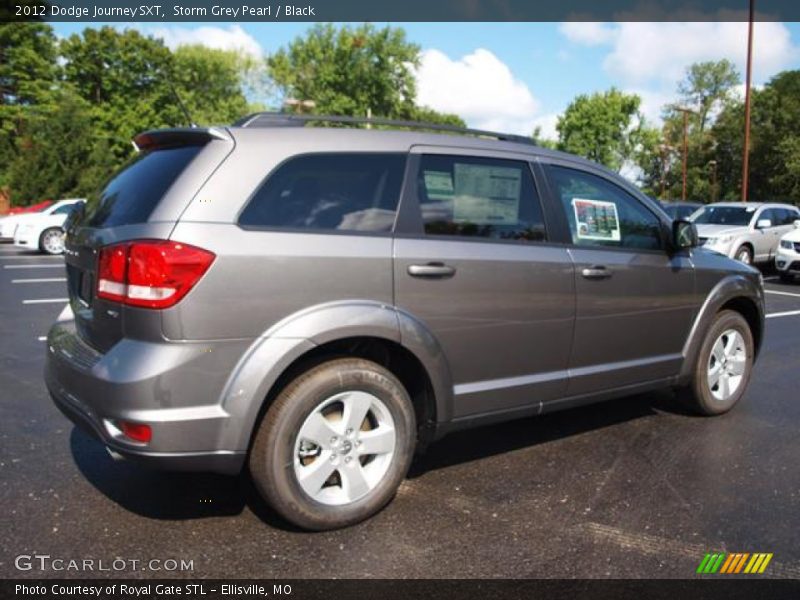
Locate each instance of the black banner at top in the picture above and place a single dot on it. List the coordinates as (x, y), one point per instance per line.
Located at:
(397, 10)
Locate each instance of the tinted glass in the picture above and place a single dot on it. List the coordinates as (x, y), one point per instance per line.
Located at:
(346, 192)
(603, 214)
(725, 215)
(134, 192)
(65, 209)
(479, 197)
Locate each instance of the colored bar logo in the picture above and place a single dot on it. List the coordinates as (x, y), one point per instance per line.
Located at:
(733, 563)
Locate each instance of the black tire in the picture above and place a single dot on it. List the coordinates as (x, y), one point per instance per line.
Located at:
(744, 254)
(786, 277)
(698, 394)
(272, 457)
(42, 247)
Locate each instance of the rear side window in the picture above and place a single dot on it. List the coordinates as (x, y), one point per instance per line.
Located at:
(479, 197)
(342, 191)
(133, 193)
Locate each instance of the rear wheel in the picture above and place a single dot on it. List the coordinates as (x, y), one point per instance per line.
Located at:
(723, 366)
(744, 254)
(52, 241)
(335, 444)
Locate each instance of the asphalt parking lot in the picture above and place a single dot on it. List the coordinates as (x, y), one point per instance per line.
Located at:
(630, 488)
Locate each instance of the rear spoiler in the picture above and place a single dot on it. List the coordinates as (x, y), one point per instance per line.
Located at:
(170, 138)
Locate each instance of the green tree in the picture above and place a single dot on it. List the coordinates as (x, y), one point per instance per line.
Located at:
(708, 86)
(353, 71)
(28, 72)
(604, 127)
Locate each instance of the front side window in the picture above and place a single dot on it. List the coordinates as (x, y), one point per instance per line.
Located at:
(479, 197)
(603, 214)
(342, 191)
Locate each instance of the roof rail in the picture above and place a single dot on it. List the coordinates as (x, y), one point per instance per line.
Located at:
(277, 119)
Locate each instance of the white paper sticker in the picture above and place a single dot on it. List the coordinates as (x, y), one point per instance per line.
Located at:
(486, 195)
(438, 185)
(596, 220)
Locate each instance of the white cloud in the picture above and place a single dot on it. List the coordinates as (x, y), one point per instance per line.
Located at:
(230, 38)
(547, 124)
(587, 33)
(658, 53)
(479, 87)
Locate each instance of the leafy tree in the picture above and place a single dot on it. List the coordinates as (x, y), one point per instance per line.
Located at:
(27, 76)
(604, 127)
(353, 71)
(708, 86)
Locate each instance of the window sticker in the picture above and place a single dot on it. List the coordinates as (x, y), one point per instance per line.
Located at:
(486, 195)
(439, 185)
(596, 220)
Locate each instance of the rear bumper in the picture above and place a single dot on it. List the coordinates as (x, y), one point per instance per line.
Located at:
(174, 388)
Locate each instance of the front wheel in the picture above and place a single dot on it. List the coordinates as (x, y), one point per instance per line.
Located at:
(723, 366)
(52, 241)
(786, 277)
(335, 444)
(745, 255)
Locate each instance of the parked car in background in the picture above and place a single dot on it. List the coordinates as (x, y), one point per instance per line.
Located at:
(680, 210)
(8, 223)
(787, 262)
(747, 231)
(44, 231)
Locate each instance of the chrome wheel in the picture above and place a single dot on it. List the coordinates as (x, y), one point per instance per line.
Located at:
(344, 448)
(727, 364)
(53, 241)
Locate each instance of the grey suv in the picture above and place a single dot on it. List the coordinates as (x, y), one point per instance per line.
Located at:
(315, 303)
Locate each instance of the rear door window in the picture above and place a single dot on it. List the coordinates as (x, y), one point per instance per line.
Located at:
(337, 192)
(135, 191)
(479, 197)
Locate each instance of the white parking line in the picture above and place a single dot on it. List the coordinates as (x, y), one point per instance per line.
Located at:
(771, 278)
(781, 293)
(46, 301)
(42, 338)
(40, 280)
(32, 257)
(61, 266)
(788, 313)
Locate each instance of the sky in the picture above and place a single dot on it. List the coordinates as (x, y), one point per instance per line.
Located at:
(513, 77)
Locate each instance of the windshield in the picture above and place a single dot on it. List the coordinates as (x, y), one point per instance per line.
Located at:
(724, 215)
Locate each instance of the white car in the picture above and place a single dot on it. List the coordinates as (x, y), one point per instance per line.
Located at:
(8, 225)
(788, 259)
(746, 231)
(44, 231)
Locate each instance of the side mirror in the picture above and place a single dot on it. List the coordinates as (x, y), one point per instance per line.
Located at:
(797, 223)
(763, 224)
(684, 234)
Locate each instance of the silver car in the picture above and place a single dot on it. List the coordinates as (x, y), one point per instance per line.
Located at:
(747, 231)
(316, 304)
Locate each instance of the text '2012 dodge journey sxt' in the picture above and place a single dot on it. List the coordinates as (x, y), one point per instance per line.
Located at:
(317, 302)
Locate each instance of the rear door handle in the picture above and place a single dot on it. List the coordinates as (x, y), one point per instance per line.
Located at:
(432, 269)
(596, 272)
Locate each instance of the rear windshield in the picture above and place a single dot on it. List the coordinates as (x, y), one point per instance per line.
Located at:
(134, 192)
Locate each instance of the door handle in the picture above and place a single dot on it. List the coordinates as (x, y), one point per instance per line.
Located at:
(432, 269)
(596, 272)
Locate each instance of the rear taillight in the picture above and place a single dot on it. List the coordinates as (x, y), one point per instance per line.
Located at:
(150, 273)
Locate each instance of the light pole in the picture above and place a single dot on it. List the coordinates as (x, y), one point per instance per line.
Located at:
(685, 112)
(665, 149)
(713, 165)
(749, 76)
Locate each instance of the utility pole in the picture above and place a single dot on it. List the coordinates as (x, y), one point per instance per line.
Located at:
(746, 155)
(685, 112)
(713, 165)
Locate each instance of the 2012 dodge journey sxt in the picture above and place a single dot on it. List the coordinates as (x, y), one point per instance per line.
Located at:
(316, 303)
